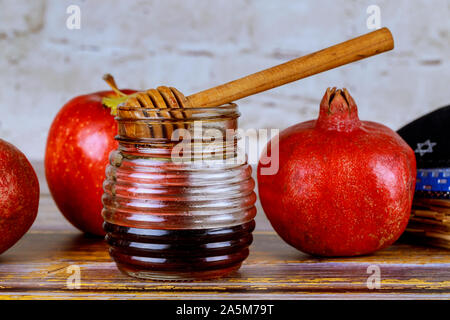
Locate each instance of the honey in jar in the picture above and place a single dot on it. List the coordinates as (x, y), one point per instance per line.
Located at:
(178, 196)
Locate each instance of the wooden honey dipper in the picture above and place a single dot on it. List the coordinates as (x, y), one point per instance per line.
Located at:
(171, 99)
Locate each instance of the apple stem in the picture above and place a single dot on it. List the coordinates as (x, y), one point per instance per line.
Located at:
(109, 79)
(113, 102)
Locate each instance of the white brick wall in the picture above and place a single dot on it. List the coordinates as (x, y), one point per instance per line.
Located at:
(193, 45)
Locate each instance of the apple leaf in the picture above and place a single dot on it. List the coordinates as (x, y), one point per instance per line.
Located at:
(113, 103)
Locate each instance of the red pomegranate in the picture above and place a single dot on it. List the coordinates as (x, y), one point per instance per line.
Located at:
(19, 195)
(344, 186)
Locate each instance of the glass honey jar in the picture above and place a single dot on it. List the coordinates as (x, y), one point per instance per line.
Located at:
(178, 196)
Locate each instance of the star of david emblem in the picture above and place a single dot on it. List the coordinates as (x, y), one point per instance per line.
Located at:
(425, 147)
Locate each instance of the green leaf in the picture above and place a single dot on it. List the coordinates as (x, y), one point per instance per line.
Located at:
(113, 103)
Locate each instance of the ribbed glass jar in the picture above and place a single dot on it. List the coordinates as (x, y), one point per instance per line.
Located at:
(178, 196)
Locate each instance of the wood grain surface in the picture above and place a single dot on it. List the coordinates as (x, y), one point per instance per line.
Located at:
(38, 267)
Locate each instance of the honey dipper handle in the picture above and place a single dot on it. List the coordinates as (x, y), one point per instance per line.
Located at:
(349, 51)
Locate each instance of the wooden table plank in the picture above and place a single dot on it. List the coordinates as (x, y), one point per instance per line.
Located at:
(37, 267)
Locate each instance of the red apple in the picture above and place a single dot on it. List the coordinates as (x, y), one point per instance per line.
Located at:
(344, 186)
(78, 145)
(19, 195)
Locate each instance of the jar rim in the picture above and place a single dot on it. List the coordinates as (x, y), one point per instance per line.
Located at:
(230, 106)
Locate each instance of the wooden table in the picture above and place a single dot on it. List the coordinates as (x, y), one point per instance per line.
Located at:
(40, 266)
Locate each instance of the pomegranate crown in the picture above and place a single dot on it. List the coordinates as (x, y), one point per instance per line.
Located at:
(338, 111)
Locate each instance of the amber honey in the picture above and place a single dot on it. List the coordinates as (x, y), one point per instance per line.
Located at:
(188, 254)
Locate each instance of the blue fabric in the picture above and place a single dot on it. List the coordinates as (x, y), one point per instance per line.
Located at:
(433, 180)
